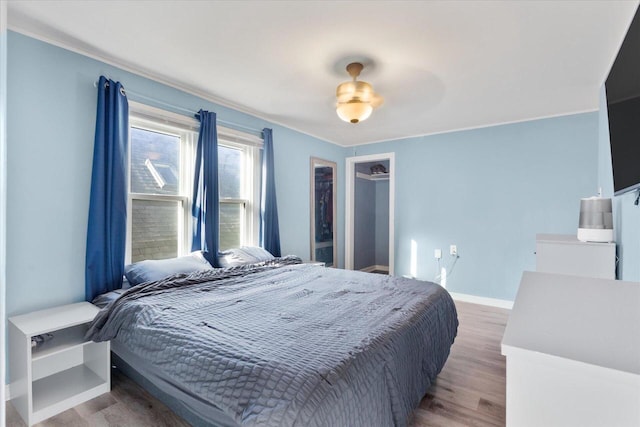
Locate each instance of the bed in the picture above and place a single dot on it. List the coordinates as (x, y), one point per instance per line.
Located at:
(282, 343)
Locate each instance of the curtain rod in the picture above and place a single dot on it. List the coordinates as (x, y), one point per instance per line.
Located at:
(188, 112)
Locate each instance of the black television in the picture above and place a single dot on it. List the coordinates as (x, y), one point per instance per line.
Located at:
(623, 105)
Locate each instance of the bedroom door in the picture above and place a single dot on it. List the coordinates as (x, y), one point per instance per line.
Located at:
(369, 213)
(323, 211)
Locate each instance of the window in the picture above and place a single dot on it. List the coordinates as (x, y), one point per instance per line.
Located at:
(159, 195)
(162, 148)
(239, 188)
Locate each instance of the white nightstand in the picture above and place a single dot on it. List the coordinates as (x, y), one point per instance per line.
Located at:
(62, 372)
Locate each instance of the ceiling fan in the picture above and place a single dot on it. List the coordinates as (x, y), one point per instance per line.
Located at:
(356, 99)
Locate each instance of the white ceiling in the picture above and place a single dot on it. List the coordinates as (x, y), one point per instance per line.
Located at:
(440, 66)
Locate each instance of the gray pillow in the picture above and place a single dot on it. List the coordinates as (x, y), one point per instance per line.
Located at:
(244, 255)
(152, 270)
(107, 298)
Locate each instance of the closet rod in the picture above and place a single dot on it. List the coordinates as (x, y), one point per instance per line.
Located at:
(188, 112)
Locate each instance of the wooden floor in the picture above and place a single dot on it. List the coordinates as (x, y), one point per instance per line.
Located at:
(470, 390)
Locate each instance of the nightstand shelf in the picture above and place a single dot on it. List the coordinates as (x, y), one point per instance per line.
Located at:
(64, 339)
(63, 371)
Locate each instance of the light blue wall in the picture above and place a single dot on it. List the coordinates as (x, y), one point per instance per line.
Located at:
(490, 191)
(626, 216)
(51, 119)
(3, 170)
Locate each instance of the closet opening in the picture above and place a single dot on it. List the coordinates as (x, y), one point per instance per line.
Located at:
(369, 224)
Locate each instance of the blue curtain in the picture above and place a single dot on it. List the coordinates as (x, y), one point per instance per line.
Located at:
(269, 229)
(205, 209)
(107, 229)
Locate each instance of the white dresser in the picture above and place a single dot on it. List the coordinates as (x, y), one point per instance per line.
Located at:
(565, 254)
(572, 346)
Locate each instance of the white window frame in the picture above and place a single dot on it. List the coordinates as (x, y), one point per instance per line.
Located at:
(155, 119)
(250, 186)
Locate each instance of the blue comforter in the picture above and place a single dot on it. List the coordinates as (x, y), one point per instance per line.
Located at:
(288, 344)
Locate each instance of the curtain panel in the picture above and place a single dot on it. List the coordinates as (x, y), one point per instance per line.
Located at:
(205, 210)
(107, 228)
(269, 228)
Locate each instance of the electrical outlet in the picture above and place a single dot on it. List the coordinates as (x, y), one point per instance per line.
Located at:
(437, 253)
(453, 250)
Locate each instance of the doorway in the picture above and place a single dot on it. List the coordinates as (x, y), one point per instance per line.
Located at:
(369, 213)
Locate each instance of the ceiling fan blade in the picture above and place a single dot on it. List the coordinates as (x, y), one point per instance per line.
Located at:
(376, 100)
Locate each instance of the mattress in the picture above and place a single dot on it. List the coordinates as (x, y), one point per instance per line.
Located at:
(286, 344)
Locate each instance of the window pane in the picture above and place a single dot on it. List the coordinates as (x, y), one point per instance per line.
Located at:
(155, 229)
(229, 172)
(230, 225)
(155, 162)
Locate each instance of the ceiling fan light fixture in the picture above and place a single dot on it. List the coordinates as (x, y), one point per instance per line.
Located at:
(360, 90)
(356, 99)
(354, 111)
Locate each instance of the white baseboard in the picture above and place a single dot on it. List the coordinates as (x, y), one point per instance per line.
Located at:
(373, 268)
(7, 394)
(493, 302)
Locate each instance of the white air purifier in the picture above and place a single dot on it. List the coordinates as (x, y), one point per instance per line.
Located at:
(596, 220)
